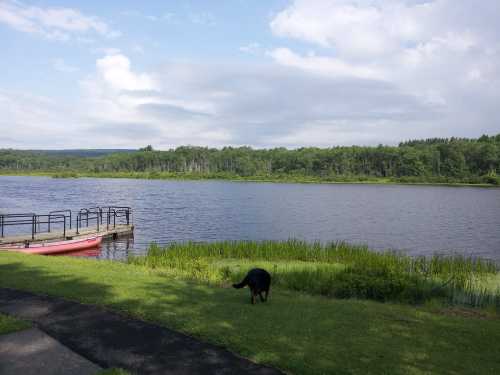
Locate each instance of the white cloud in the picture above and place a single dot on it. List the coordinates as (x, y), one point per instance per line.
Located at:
(324, 65)
(116, 72)
(36, 121)
(376, 30)
(216, 105)
(52, 23)
(129, 109)
(445, 53)
(343, 133)
(226, 104)
(354, 28)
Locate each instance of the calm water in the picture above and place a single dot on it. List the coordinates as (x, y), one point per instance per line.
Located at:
(419, 220)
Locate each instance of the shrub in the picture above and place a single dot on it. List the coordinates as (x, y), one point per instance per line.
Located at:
(382, 284)
(491, 179)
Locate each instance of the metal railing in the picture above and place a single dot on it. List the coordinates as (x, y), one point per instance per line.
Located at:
(99, 214)
(34, 220)
(109, 216)
(15, 219)
(66, 213)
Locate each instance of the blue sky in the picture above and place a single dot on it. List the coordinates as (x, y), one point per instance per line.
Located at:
(292, 73)
(151, 32)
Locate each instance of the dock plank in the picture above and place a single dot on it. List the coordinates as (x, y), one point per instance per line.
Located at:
(118, 230)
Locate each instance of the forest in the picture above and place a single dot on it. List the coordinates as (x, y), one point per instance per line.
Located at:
(436, 160)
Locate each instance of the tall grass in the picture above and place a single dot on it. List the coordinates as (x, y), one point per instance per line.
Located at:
(335, 269)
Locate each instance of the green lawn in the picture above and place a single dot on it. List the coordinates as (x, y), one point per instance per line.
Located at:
(9, 324)
(296, 332)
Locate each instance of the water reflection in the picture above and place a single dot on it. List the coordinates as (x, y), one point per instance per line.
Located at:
(109, 249)
(118, 249)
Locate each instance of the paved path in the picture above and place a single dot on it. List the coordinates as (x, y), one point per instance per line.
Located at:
(112, 340)
(33, 352)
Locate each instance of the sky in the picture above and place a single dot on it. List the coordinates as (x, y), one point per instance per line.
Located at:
(262, 73)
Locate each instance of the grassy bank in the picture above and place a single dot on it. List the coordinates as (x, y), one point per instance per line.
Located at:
(336, 270)
(264, 178)
(9, 324)
(298, 332)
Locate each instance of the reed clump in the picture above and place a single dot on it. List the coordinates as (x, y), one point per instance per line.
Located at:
(334, 269)
(65, 174)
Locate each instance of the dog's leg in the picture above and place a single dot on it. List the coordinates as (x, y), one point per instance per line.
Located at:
(261, 298)
(252, 297)
(267, 292)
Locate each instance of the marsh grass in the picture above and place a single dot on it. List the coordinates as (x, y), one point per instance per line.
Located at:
(334, 269)
(65, 174)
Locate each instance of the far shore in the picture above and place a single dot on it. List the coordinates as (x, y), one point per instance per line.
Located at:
(358, 180)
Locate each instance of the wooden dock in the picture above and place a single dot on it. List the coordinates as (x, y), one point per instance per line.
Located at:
(55, 235)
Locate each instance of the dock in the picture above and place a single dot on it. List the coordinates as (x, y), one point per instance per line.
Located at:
(118, 231)
(108, 222)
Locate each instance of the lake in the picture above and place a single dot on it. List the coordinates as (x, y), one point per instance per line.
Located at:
(419, 220)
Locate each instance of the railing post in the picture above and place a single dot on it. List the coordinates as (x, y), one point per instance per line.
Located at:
(64, 230)
(70, 219)
(1, 223)
(48, 224)
(33, 227)
(77, 223)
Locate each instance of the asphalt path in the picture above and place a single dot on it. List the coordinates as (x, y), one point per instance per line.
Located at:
(109, 339)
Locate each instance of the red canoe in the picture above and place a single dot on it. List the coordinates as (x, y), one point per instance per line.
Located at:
(59, 247)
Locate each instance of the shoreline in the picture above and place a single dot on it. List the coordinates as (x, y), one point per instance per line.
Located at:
(188, 177)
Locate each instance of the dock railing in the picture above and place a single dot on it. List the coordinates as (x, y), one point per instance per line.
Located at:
(109, 216)
(34, 220)
(98, 214)
(66, 213)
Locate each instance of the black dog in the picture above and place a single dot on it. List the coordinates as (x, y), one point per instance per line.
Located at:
(258, 280)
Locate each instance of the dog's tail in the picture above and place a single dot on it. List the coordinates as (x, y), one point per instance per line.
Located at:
(242, 284)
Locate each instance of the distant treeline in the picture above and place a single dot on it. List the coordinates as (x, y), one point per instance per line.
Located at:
(431, 160)
(81, 152)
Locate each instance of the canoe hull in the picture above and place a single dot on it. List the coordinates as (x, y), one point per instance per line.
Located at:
(51, 248)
